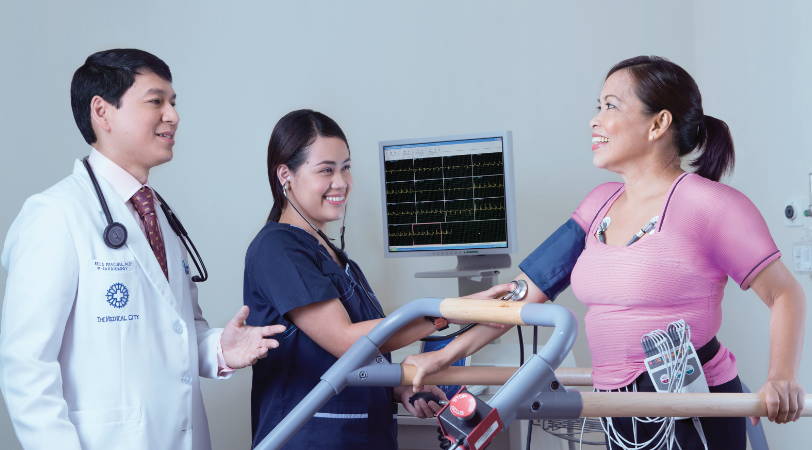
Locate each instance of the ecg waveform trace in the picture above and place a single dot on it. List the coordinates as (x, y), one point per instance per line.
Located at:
(446, 200)
(457, 167)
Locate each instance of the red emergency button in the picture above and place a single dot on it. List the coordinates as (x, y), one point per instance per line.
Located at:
(463, 406)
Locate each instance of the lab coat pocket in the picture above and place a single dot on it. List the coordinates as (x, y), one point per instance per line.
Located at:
(110, 428)
(102, 416)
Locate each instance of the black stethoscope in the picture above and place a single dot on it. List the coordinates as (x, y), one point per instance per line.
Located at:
(115, 234)
(342, 257)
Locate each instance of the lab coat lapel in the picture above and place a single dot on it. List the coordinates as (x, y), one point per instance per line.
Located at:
(136, 241)
(174, 255)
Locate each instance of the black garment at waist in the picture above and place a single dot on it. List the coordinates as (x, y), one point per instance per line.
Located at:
(708, 351)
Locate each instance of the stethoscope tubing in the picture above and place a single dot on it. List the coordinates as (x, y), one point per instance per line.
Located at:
(342, 257)
(171, 217)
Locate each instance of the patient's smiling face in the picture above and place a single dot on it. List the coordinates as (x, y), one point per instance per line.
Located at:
(620, 130)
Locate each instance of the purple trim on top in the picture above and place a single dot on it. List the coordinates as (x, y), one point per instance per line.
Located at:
(589, 230)
(756, 267)
(662, 219)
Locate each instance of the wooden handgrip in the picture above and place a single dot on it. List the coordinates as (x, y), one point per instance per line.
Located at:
(490, 376)
(616, 404)
(483, 310)
(650, 404)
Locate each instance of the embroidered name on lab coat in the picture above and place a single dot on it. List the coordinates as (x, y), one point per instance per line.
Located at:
(113, 266)
(117, 318)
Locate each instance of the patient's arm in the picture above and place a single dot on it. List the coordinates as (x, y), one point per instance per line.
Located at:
(469, 342)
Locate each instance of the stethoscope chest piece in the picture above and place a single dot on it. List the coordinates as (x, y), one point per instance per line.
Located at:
(115, 235)
(518, 289)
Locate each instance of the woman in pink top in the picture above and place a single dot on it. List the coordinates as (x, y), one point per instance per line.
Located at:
(697, 233)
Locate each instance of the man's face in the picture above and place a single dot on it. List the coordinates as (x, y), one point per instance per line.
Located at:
(142, 129)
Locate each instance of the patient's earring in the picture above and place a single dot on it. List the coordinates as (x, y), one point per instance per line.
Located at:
(651, 138)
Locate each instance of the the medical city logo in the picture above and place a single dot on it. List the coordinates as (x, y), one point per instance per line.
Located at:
(118, 295)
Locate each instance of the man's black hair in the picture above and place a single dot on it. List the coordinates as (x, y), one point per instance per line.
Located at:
(109, 74)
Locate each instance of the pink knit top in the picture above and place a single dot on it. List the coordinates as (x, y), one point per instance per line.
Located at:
(707, 231)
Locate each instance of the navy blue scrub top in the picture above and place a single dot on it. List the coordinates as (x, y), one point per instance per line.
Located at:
(285, 268)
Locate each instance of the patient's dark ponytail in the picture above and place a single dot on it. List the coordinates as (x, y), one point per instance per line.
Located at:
(662, 85)
(291, 139)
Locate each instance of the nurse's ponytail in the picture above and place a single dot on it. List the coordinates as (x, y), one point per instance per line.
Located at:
(662, 85)
(290, 141)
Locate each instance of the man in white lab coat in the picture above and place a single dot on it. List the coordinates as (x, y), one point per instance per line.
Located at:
(101, 347)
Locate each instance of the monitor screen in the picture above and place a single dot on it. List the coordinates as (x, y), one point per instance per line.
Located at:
(446, 195)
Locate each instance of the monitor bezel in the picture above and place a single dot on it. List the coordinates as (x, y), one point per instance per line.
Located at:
(510, 203)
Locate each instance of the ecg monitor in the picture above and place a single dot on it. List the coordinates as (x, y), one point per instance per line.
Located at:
(450, 195)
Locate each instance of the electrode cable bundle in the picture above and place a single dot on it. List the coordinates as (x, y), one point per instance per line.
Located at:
(674, 347)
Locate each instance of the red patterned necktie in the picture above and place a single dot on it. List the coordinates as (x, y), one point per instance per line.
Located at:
(145, 206)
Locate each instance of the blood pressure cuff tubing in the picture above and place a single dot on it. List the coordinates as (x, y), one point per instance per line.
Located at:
(551, 264)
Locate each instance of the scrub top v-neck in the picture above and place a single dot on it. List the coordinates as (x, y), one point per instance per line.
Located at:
(285, 268)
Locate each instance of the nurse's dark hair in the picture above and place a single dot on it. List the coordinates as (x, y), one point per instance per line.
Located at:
(109, 74)
(662, 85)
(290, 143)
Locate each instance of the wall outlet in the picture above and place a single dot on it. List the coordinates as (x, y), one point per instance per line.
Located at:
(794, 212)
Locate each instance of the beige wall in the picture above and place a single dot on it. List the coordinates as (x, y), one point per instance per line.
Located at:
(387, 70)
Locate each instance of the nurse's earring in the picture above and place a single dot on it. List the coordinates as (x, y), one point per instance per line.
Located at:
(650, 138)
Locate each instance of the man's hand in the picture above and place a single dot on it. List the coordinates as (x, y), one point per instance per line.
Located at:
(243, 345)
(421, 409)
(785, 401)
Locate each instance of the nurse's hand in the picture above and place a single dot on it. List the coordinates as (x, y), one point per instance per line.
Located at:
(785, 400)
(497, 291)
(421, 409)
(427, 364)
(243, 345)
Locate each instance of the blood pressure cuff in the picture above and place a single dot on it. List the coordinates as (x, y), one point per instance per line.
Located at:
(551, 264)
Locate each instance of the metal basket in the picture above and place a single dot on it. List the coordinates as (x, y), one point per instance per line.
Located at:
(570, 430)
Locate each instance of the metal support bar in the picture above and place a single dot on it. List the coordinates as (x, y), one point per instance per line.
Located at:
(534, 392)
(493, 376)
(381, 374)
(364, 352)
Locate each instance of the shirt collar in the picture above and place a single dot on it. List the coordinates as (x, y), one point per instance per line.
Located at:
(124, 184)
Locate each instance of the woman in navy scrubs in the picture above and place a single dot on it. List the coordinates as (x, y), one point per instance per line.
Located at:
(293, 277)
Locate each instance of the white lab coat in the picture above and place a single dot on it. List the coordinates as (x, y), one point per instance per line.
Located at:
(79, 372)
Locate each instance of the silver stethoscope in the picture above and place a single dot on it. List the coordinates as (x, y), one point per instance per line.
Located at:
(115, 234)
(518, 288)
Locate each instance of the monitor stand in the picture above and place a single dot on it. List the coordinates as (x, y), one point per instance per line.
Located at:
(474, 273)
